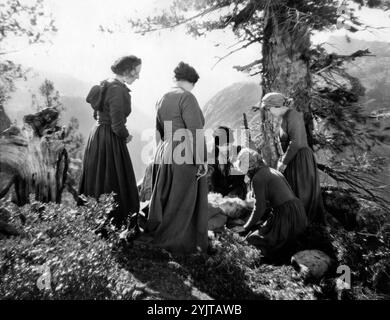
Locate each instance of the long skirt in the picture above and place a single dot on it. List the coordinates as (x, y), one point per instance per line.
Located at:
(280, 231)
(107, 168)
(303, 177)
(178, 214)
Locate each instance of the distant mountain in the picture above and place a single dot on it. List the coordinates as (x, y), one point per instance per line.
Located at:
(372, 71)
(344, 45)
(228, 105)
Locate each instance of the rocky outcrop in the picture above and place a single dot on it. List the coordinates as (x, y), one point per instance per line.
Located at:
(228, 105)
(6, 229)
(311, 264)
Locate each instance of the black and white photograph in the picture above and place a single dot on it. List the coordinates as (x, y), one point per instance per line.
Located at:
(216, 151)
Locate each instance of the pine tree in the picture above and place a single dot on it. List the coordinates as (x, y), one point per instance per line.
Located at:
(28, 23)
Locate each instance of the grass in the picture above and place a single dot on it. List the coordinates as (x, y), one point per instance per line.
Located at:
(83, 266)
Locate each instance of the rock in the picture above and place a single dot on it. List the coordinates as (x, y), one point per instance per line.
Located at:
(5, 215)
(8, 230)
(311, 263)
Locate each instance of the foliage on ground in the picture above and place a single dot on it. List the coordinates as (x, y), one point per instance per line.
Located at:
(85, 266)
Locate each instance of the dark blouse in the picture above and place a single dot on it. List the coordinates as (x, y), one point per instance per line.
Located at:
(292, 134)
(112, 104)
(271, 189)
(182, 111)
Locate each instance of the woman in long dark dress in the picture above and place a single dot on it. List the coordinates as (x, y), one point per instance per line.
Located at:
(178, 213)
(107, 166)
(298, 162)
(276, 234)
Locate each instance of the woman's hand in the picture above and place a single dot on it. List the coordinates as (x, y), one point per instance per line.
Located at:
(129, 138)
(202, 170)
(281, 166)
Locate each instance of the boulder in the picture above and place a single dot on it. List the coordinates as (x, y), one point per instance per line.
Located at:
(311, 264)
(8, 230)
(5, 215)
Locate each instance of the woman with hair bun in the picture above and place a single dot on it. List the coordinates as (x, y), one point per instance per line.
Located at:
(107, 166)
(178, 214)
(298, 162)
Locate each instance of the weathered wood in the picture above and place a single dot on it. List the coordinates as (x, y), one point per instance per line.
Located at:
(36, 156)
(249, 141)
(5, 122)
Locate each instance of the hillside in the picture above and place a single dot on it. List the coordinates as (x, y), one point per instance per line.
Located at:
(372, 71)
(228, 105)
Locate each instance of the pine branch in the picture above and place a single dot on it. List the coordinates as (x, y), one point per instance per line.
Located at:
(248, 66)
(235, 50)
(328, 61)
(180, 22)
(357, 183)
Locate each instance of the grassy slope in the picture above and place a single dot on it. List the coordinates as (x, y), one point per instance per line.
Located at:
(86, 267)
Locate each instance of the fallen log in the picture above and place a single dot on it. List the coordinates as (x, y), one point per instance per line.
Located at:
(36, 158)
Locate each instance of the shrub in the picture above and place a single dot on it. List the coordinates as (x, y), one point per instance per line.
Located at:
(61, 238)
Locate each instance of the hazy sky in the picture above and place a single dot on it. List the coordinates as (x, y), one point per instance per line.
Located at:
(79, 49)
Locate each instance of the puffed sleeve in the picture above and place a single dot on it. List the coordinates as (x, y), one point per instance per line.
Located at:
(194, 121)
(259, 188)
(116, 100)
(296, 132)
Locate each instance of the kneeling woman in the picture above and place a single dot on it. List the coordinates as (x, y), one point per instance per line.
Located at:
(288, 218)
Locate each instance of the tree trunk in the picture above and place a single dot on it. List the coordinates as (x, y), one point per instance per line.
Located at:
(36, 157)
(285, 66)
(5, 122)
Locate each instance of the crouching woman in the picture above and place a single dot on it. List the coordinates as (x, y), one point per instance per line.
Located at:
(277, 234)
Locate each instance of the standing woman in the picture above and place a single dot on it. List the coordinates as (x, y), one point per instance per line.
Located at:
(298, 162)
(178, 214)
(107, 165)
